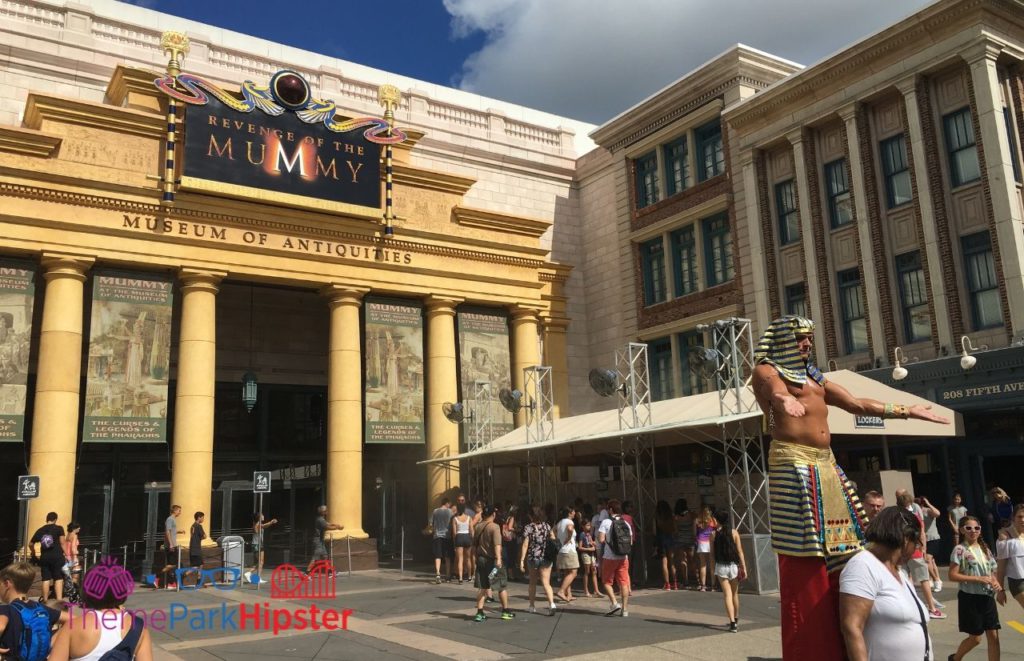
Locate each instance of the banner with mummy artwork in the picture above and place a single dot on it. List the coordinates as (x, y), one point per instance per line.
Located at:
(17, 298)
(484, 369)
(394, 371)
(129, 359)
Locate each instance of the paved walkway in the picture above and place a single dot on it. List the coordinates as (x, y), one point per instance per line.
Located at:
(406, 616)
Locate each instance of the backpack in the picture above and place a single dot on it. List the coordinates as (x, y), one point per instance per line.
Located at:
(620, 536)
(125, 650)
(35, 630)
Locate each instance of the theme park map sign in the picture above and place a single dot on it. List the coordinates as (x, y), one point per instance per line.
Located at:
(295, 145)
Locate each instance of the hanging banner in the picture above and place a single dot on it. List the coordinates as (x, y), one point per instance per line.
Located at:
(129, 357)
(17, 296)
(484, 359)
(394, 371)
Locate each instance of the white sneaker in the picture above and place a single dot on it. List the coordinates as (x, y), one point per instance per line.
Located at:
(615, 609)
(937, 586)
(625, 613)
(532, 609)
(552, 608)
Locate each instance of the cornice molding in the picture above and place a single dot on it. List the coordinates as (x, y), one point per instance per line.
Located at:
(444, 182)
(711, 95)
(114, 204)
(858, 58)
(558, 273)
(28, 142)
(93, 115)
(499, 222)
(129, 85)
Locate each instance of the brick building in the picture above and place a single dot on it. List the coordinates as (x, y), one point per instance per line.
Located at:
(877, 191)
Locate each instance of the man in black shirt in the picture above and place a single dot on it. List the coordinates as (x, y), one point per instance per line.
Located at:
(51, 559)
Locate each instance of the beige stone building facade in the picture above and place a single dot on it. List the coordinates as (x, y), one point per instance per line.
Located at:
(263, 283)
(877, 191)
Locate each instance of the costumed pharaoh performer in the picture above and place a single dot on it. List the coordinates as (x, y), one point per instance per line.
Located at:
(817, 520)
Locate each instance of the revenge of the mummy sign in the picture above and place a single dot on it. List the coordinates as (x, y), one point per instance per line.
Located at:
(280, 153)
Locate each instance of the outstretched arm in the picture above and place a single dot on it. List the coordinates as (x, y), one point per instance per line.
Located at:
(838, 396)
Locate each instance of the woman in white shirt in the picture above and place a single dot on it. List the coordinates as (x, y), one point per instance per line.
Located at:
(1010, 555)
(880, 613)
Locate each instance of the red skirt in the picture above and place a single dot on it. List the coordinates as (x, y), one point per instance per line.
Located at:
(810, 610)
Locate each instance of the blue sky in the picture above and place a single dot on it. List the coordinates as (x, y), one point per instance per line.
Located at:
(583, 59)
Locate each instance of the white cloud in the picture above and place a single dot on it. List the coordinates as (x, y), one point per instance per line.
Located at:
(591, 59)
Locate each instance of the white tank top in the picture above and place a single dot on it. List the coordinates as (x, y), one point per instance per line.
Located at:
(109, 638)
(462, 527)
(1012, 550)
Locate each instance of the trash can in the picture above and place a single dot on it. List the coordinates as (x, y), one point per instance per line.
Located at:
(233, 549)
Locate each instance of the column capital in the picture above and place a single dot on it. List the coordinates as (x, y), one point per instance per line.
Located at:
(746, 157)
(193, 279)
(796, 136)
(343, 294)
(983, 50)
(521, 313)
(442, 304)
(907, 85)
(61, 265)
(554, 324)
(848, 113)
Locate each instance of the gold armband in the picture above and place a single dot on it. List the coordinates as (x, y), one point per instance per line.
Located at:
(900, 411)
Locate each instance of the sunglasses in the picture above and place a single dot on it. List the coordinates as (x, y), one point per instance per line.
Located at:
(972, 527)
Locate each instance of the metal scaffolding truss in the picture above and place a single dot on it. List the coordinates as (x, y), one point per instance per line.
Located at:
(540, 404)
(479, 434)
(635, 413)
(746, 476)
(635, 390)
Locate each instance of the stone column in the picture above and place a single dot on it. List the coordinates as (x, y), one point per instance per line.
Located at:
(759, 283)
(345, 412)
(55, 416)
(525, 351)
(556, 355)
(998, 173)
(926, 203)
(848, 114)
(803, 191)
(192, 464)
(442, 386)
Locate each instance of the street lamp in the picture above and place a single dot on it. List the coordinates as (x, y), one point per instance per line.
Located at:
(899, 372)
(967, 361)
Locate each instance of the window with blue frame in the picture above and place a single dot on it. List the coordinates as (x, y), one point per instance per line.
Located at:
(851, 302)
(917, 321)
(717, 249)
(896, 169)
(960, 148)
(785, 207)
(659, 358)
(694, 382)
(652, 255)
(796, 299)
(677, 168)
(1011, 138)
(684, 260)
(646, 180)
(840, 202)
(982, 288)
(710, 154)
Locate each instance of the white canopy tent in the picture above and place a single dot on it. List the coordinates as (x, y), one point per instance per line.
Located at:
(698, 418)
